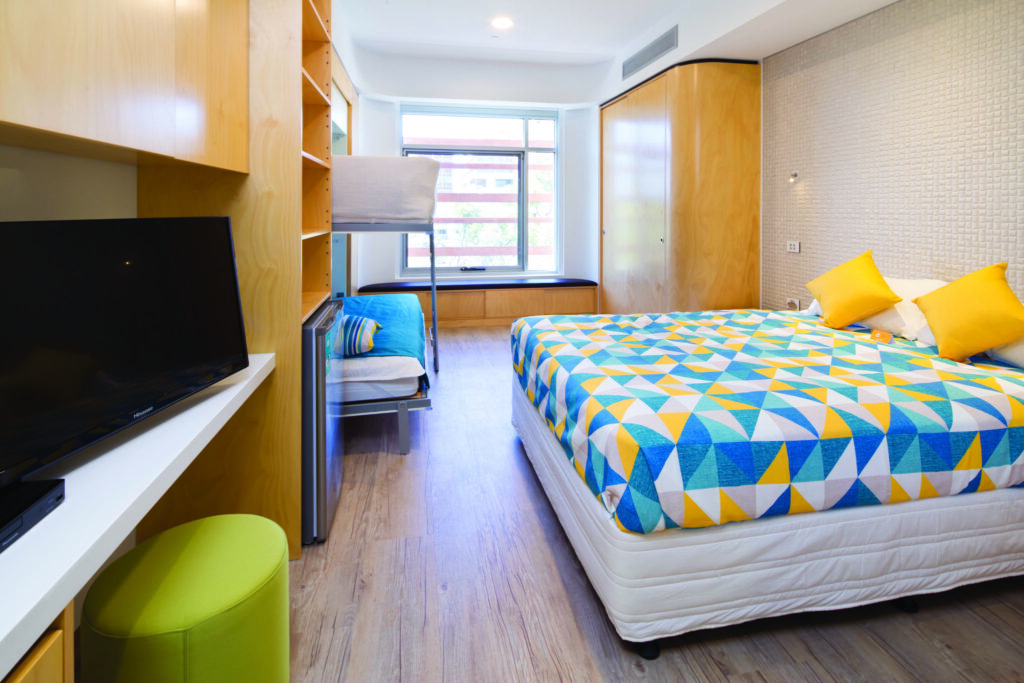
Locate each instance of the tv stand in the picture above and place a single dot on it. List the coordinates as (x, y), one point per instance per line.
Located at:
(23, 503)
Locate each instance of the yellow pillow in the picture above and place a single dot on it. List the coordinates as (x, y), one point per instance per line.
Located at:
(974, 313)
(852, 291)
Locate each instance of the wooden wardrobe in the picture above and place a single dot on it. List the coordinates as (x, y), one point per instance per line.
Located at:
(680, 191)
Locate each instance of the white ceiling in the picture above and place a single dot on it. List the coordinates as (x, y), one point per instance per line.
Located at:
(559, 51)
(554, 31)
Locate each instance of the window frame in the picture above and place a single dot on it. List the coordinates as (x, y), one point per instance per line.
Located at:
(523, 152)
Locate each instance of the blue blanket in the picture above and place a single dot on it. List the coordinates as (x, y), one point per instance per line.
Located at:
(401, 330)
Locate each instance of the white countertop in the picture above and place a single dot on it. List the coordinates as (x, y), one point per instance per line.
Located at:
(109, 488)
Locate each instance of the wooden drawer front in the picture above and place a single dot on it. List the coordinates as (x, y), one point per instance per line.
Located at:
(516, 303)
(44, 663)
(459, 305)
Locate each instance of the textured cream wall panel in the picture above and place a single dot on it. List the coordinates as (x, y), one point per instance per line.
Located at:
(907, 129)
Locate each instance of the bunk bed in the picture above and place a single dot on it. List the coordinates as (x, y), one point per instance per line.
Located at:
(374, 195)
(388, 194)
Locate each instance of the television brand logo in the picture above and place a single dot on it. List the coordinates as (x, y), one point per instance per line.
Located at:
(141, 413)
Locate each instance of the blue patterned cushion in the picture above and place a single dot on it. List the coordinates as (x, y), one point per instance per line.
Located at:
(356, 335)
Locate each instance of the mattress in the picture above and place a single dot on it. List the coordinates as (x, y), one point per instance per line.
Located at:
(679, 580)
(707, 418)
(372, 378)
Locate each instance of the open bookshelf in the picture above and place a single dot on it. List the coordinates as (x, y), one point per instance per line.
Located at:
(316, 154)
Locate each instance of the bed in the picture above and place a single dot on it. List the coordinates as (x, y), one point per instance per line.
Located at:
(718, 467)
(390, 377)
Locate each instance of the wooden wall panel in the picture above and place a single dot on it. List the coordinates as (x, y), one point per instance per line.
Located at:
(212, 67)
(101, 70)
(634, 149)
(253, 465)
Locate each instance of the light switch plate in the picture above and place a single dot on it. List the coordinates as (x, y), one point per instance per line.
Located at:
(793, 247)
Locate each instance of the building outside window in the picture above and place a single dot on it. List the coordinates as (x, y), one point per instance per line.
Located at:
(496, 193)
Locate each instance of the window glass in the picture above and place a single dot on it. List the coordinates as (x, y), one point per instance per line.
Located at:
(432, 130)
(541, 211)
(496, 207)
(476, 217)
(542, 133)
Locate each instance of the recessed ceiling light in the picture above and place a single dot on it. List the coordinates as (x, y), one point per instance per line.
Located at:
(502, 23)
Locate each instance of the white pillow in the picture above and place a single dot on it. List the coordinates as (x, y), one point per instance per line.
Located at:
(814, 308)
(1012, 353)
(925, 336)
(904, 319)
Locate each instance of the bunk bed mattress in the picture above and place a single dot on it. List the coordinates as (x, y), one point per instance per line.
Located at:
(394, 366)
(373, 378)
(663, 584)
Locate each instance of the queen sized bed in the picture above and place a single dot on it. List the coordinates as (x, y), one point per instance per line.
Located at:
(717, 467)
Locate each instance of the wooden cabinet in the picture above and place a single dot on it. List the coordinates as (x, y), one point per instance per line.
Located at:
(211, 40)
(52, 658)
(316, 154)
(680, 191)
(126, 80)
(488, 307)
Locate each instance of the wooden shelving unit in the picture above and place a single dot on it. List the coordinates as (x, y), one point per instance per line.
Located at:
(316, 154)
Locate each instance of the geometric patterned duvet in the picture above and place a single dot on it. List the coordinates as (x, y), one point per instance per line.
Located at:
(698, 419)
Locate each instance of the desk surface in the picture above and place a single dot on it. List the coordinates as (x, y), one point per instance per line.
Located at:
(109, 487)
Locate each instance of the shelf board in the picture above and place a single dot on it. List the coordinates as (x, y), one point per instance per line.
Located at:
(315, 233)
(311, 161)
(311, 301)
(313, 27)
(311, 92)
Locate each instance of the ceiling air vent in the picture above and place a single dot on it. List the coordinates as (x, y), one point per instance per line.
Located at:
(661, 45)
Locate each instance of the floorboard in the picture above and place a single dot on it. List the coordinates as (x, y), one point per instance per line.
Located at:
(449, 564)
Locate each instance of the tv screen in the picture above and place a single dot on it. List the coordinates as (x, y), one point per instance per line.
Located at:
(106, 322)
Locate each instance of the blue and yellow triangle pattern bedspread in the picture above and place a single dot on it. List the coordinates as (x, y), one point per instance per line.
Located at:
(698, 419)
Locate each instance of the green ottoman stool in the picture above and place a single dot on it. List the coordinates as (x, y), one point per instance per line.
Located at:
(203, 602)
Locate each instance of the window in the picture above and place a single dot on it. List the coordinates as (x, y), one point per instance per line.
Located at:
(496, 193)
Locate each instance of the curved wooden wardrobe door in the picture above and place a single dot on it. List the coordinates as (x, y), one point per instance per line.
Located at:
(713, 243)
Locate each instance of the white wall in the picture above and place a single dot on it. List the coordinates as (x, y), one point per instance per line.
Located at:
(45, 186)
(581, 192)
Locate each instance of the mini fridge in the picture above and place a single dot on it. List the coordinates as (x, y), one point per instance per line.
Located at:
(321, 429)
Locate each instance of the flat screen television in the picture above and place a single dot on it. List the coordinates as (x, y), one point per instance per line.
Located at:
(105, 323)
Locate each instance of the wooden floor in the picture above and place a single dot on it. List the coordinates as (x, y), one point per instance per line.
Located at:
(449, 564)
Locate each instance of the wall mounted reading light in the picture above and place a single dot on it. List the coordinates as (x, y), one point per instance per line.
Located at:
(502, 23)
(794, 177)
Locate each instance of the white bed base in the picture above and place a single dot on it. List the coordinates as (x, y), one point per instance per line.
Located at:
(674, 581)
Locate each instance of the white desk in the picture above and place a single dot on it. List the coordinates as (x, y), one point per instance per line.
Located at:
(109, 487)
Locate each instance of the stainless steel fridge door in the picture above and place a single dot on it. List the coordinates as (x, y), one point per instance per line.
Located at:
(322, 462)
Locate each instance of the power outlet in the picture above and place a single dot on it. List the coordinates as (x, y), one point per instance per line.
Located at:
(792, 304)
(793, 247)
